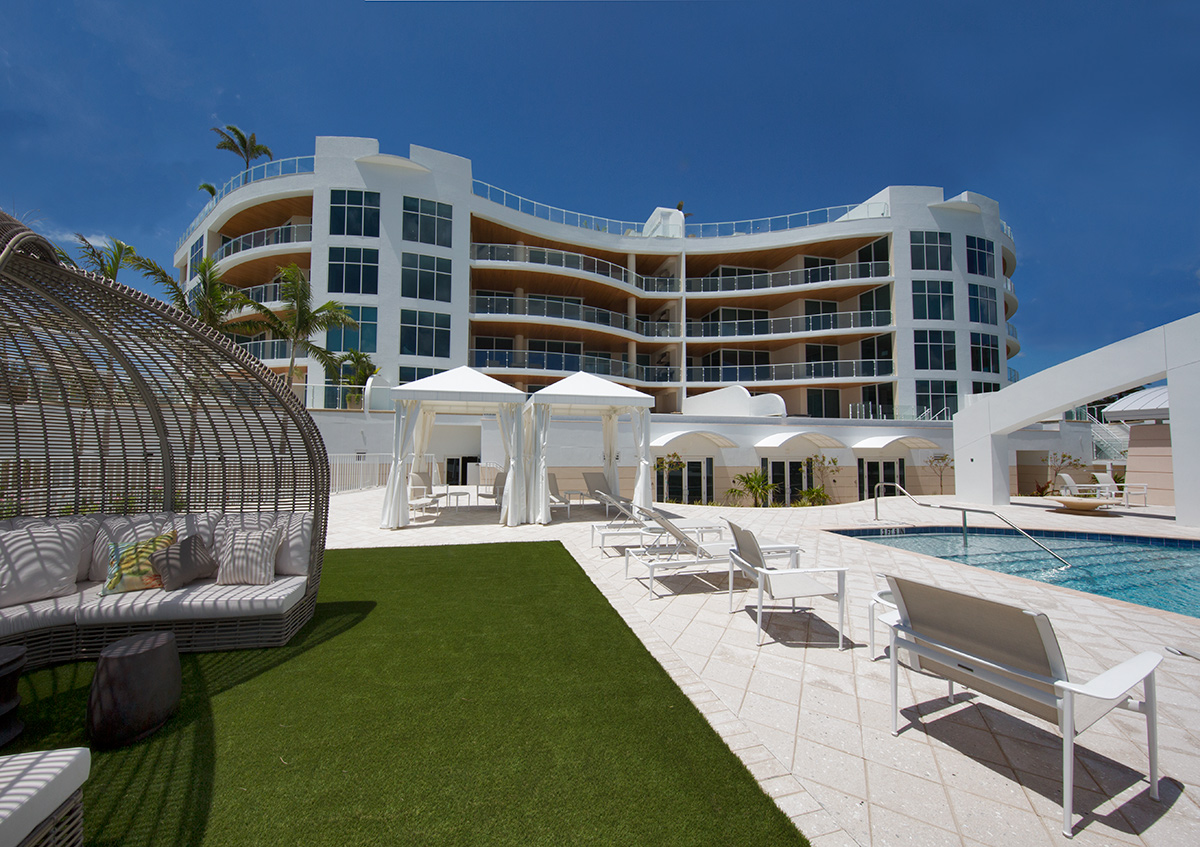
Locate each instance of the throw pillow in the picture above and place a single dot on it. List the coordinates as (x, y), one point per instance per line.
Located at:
(247, 557)
(131, 569)
(39, 562)
(185, 562)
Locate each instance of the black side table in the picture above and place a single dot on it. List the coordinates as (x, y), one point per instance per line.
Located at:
(12, 662)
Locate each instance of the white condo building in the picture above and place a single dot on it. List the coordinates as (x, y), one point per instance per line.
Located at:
(883, 313)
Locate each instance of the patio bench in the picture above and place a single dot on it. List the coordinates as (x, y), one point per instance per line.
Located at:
(41, 800)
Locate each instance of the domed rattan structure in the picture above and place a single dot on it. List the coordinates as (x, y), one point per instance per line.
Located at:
(112, 401)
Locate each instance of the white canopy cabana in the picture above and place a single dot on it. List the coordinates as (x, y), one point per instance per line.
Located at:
(583, 394)
(461, 391)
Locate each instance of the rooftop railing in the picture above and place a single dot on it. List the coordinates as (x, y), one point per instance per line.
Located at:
(287, 234)
(779, 223)
(570, 363)
(784, 279)
(787, 326)
(268, 170)
(572, 261)
(842, 369)
(559, 310)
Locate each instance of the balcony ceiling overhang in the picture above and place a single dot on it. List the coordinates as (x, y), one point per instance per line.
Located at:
(261, 270)
(267, 214)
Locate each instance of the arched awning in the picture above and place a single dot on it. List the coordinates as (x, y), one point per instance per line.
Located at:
(781, 439)
(715, 437)
(881, 442)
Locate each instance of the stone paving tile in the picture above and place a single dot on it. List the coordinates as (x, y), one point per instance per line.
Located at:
(805, 715)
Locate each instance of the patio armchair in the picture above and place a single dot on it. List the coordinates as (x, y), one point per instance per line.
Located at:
(1012, 655)
(782, 583)
(1111, 488)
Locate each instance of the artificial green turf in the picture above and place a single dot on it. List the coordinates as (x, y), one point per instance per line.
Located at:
(441, 695)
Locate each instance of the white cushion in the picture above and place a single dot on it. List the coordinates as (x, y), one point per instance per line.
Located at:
(34, 785)
(43, 614)
(37, 562)
(91, 524)
(122, 529)
(292, 558)
(6, 525)
(247, 556)
(203, 599)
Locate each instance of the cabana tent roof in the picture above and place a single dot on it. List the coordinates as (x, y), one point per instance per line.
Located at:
(586, 394)
(461, 391)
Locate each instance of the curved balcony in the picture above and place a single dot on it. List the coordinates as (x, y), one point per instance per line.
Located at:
(779, 223)
(287, 234)
(568, 363)
(790, 326)
(272, 348)
(272, 292)
(268, 170)
(785, 279)
(556, 310)
(572, 261)
(1011, 342)
(842, 369)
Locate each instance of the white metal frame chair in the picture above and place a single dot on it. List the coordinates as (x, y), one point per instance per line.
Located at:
(1124, 490)
(557, 501)
(782, 584)
(497, 492)
(628, 523)
(1012, 655)
(427, 499)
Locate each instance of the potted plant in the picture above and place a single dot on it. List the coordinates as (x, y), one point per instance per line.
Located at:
(361, 369)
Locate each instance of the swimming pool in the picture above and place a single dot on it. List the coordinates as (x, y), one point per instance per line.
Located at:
(1163, 573)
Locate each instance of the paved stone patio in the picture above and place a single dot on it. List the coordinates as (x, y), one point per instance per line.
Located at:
(812, 722)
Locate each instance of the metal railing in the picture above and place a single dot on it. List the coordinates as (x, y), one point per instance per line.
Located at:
(271, 292)
(779, 223)
(286, 234)
(1013, 375)
(964, 509)
(268, 170)
(787, 326)
(570, 363)
(841, 369)
(1010, 329)
(272, 348)
(1008, 286)
(358, 471)
(559, 310)
(783, 279)
(572, 261)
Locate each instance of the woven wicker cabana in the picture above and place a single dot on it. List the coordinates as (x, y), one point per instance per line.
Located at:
(112, 401)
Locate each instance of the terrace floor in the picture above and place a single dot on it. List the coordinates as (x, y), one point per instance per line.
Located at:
(812, 722)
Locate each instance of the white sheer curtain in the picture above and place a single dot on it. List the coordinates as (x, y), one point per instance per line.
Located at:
(395, 496)
(610, 453)
(537, 437)
(508, 417)
(641, 441)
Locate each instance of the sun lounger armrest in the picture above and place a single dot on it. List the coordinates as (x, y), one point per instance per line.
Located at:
(1115, 682)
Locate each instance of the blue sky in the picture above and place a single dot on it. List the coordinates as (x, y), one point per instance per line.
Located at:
(1081, 119)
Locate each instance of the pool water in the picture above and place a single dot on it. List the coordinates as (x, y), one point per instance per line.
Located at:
(1161, 573)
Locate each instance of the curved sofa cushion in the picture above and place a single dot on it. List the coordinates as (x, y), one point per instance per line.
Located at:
(185, 562)
(34, 785)
(37, 562)
(292, 558)
(131, 569)
(247, 556)
(121, 529)
(49, 613)
(201, 600)
(91, 524)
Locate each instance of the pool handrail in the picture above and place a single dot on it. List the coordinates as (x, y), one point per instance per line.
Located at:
(964, 510)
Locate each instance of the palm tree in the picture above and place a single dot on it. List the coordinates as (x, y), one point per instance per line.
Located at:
(300, 321)
(756, 484)
(209, 187)
(106, 261)
(236, 142)
(212, 301)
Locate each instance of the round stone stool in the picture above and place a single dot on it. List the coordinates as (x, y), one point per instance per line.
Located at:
(135, 690)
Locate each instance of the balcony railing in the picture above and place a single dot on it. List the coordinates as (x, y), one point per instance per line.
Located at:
(1008, 286)
(570, 363)
(789, 326)
(269, 170)
(783, 279)
(287, 234)
(535, 307)
(272, 292)
(1012, 330)
(860, 211)
(842, 369)
(274, 348)
(1013, 376)
(571, 261)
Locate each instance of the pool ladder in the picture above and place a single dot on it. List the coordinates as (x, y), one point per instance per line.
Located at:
(964, 509)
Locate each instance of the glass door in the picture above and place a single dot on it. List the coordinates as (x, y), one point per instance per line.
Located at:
(871, 472)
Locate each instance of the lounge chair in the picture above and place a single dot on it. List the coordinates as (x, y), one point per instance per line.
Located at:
(1012, 655)
(1075, 497)
(782, 583)
(677, 549)
(557, 501)
(627, 523)
(596, 485)
(1111, 488)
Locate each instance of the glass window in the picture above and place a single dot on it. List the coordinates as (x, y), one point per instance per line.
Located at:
(931, 251)
(408, 374)
(427, 221)
(340, 339)
(425, 277)
(195, 256)
(937, 397)
(824, 403)
(354, 213)
(981, 303)
(981, 256)
(934, 350)
(984, 387)
(353, 270)
(424, 334)
(933, 300)
(985, 353)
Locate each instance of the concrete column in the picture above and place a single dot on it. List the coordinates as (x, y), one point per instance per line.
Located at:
(1184, 385)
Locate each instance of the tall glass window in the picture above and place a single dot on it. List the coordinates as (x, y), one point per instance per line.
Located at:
(981, 256)
(340, 339)
(195, 256)
(985, 353)
(938, 397)
(425, 277)
(981, 302)
(934, 350)
(353, 270)
(424, 334)
(933, 300)
(931, 251)
(427, 221)
(354, 212)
